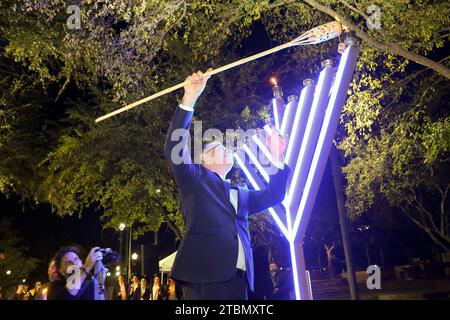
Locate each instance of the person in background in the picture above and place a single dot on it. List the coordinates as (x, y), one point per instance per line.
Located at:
(280, 282)
(52, 274)
(263, 282)
(32, 294)
(157, 290)
(53, 271)
(144, 290)
(120, 291)
(173, 291)
(19, 294)
(61, 289)
(134, 292)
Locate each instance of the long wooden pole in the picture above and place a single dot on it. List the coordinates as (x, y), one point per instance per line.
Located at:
(210, 73)
(316, 35)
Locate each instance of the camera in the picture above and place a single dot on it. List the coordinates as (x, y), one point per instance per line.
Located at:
(109, 256)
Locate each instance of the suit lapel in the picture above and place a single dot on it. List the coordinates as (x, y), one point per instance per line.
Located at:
(228, 204)
(242, 206)
(227, 188)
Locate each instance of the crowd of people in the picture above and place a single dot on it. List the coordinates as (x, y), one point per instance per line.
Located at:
(145, 289)
(91, 285)
(137, 288)
(22, 292)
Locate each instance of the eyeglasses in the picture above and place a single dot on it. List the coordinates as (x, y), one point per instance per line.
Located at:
(211, 148)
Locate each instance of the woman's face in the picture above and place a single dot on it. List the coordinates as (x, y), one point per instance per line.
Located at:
(52, 271)
(69, 259)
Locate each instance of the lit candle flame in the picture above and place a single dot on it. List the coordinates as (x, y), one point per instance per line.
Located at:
(274, 81)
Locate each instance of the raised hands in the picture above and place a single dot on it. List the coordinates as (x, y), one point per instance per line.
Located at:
(276, 143)
(194, 88)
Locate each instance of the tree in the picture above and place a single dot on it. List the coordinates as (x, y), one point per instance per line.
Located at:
(423, 26)
(330, 260)
(15, 264)
(75, 165)
(402, 157)
(55, 81)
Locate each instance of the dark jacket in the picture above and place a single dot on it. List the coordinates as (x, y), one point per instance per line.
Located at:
(146, 294)
(208, 251)
(263, 281)
(134, 294)
(281, 282)
(57, 291)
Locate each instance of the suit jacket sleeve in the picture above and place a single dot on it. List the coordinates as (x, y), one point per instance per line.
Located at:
(176, 149)
(274, 193)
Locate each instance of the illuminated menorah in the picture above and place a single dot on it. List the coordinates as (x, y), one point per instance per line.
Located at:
(311, 128)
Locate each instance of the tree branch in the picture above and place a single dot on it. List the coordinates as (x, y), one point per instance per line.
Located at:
(419, 206)
(354, 9)
(171, 225)
(387, 46)
(427, 231)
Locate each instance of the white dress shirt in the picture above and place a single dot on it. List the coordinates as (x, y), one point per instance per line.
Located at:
(182, 106)
(155, 292)
(241, 253)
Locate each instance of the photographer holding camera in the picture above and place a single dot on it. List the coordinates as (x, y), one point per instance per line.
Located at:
(79, 281)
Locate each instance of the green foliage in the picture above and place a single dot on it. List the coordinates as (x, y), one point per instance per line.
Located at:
(397, 143)
(419, 26)
(55, 81)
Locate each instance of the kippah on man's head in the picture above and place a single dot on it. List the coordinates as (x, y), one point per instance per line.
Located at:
(211, 145)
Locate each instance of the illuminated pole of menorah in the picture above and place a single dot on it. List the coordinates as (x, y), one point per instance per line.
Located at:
(311, 128)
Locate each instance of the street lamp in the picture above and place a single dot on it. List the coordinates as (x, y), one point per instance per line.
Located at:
(129, 251)
(121, 228)
(8, 272)
(134, 257)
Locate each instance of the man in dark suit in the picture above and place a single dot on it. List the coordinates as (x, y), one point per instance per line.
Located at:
(144, 290)
(134, 291)
(281, 283)
(214, 259)
(263, 282)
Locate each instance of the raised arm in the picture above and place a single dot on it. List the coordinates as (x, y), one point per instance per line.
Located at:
(175, 147)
